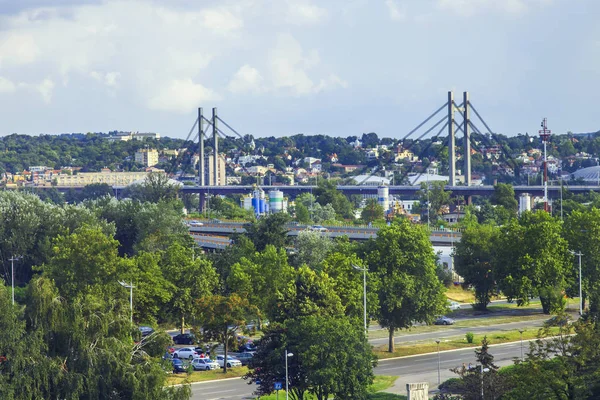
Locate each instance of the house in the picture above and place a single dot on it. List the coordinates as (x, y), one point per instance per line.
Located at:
(348, 168)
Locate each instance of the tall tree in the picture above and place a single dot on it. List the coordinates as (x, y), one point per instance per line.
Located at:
(269, 230)
(532, 259)
(436, 195)
(504, 196)
(372, 211)
(403, 262)
(312, 248)
(473, 260)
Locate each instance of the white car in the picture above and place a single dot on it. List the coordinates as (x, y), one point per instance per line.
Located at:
(204, 364)
(318, 228)
(454, 305)
(196, 223)
(231, 361)
(186, 353)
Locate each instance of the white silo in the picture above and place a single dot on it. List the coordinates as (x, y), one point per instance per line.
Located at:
(524, 203)
(275, 201)
(383, 197)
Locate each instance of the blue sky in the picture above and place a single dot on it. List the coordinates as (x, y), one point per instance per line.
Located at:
(337, 67)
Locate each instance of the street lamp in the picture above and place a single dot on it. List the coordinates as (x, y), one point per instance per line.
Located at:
(12, 275)
(364, 270)
(287, 393)
(438, 351)
(521, 332)
(580, 296)
(130, 287)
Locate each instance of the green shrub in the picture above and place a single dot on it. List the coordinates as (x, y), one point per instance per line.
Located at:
(469, 336)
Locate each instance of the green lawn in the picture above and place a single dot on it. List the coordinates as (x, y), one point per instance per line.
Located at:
(201, 376)
(457, 342)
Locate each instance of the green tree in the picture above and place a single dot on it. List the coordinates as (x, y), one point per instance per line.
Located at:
(327, 193)
(532, 259)
(312, 248)
(473, 260)
(504, 196)
(302, 214)
(269, 230)
(438, 197)
(221, 316)
(372, 211)
(582, 231)
(155, 188)
(191, 278)
(324, 350)
(403, 261)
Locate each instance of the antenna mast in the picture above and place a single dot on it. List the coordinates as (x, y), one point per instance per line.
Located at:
(545, 135)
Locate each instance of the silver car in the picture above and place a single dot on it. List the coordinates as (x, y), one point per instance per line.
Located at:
(204, 364)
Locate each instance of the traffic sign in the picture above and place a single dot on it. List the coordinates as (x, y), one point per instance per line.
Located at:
(277, 385)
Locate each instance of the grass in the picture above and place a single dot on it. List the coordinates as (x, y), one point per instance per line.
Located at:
(201, 376)
(467, 323)
(380, 383)
(456, 342)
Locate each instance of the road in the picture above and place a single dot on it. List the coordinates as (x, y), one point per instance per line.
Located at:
(422, 368)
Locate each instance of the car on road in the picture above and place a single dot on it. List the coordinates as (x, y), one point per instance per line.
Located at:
(454, 305)
(186, 353)
(231, 361)
(245, 357)
(443, 320)
(178, 366)
(204, 364)
(145, 330)
(318, 228)
(184, 338)
(195, 223)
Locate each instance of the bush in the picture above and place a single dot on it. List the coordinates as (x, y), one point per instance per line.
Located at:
(469, 336)
(452, 385)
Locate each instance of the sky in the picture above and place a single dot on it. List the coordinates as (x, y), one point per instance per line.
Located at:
(276, 68)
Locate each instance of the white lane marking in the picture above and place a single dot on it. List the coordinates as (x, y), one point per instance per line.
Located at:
(221, 391)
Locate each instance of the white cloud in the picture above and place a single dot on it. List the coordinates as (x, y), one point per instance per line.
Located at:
(181, 95)
(246, 79)
(221, 21)
(468, 8)
(6, 85)
(396, 13)
(45, 88)
(106, 78)
(304, 13)
(288, 64)
(18, 48)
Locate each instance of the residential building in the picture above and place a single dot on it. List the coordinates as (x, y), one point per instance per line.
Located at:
(209, 168)
(146, 157)
(106, 176)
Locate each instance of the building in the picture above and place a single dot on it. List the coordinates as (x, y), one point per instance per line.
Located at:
(127, 136)
(209, 168)
(106, 176)
(146, 157)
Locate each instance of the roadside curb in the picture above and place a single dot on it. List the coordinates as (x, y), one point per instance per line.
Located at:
(453, 350)
(211, 381)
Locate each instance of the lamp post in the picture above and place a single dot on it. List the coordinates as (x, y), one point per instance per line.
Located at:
(521, 332)
(12, 275)
(438, 351)
(364, 270)
(130, 287)
(579, 254)
(287, 393)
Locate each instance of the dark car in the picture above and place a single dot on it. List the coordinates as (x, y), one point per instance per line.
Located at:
(246, 347)
(145, 330)
(178, 366)
(184, 338)
(245, 357)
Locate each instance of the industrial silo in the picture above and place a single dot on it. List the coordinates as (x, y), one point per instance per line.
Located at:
(275, 201)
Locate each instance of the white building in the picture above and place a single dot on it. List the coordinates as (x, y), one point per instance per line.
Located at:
(209, 167)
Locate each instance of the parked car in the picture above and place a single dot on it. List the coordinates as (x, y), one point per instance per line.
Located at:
(245, 357)
(231, 361)
(204, 364)
(454, 305)
(145, 330)
(184, 338)
(318, 228)
(186, 352)
(247, 347)
(443, 320)
(178, 366)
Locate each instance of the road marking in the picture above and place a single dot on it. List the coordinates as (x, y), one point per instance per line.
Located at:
(221, 391)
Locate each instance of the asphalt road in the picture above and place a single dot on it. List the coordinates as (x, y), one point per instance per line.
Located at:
(422, 368)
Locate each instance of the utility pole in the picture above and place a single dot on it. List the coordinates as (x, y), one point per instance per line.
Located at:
(12, 275)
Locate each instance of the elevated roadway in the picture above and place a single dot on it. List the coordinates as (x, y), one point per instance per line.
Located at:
(214, 234)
